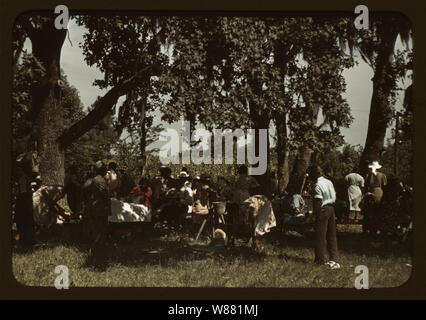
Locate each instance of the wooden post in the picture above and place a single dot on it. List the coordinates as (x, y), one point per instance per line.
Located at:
(201, 229)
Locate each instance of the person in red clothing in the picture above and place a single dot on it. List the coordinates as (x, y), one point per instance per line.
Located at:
(142, 193)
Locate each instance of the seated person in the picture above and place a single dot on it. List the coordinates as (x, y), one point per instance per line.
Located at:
(294, 213)
(161, 185)
(142, 193)
(126, 185)
(204, 194)
(186, 192)
(201, 199)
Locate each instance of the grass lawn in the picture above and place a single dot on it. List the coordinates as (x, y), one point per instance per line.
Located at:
(178, 261)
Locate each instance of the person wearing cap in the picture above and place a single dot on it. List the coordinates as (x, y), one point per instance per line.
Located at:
(187, 194)
(324, 197)
(183, 176)
(375, 181)
(97, 208)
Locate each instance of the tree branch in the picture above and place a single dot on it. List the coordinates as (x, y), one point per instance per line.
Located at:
(18, 52)
(29, 28)
(102, 107)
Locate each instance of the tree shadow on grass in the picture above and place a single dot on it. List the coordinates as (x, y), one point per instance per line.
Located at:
(160, 248)
(169, 253)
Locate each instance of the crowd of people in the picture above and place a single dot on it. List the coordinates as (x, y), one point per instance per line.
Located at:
(179, 199)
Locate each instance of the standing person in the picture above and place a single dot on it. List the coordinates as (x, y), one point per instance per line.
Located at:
(24, 216)
(375, 181)
(112, 178)
(244, 185)
(73, 190)
(275, 184)
(354, 182)
(91, 173)
(324, 197)
(97, 208)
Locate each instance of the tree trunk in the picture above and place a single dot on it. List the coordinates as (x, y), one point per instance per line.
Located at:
(380, 108)
(261, 120)
(299, 170)
(303, 160)
(48, 122)
(46, 111)
(282, 152)
(143, 127)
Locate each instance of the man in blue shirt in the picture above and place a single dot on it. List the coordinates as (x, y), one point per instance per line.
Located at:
(324, 197)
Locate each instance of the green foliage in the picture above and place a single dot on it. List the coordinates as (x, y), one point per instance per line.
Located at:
(405, 156)
(125, 154)
(405, 143)
(233, 71)
(405, 160)
(339, 163)
(120, 46)
(27, 75)
(92, 146)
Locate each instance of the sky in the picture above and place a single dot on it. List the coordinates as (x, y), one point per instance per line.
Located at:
(358, 84)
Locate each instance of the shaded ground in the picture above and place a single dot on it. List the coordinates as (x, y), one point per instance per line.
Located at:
(155, 258)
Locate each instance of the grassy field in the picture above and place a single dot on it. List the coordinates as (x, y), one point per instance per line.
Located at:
(178, 261)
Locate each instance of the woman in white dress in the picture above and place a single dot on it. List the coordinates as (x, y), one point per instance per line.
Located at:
(354, 182)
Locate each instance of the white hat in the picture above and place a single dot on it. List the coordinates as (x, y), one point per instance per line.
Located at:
(375, 165)
(183, 174)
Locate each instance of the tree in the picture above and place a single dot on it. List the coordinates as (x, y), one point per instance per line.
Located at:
(377, 48)
(95, 144)
(244, 72)
(315, 87)
(25, 78)
(405, 143)
(46, 111)
(118, 46)
(92, 146)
